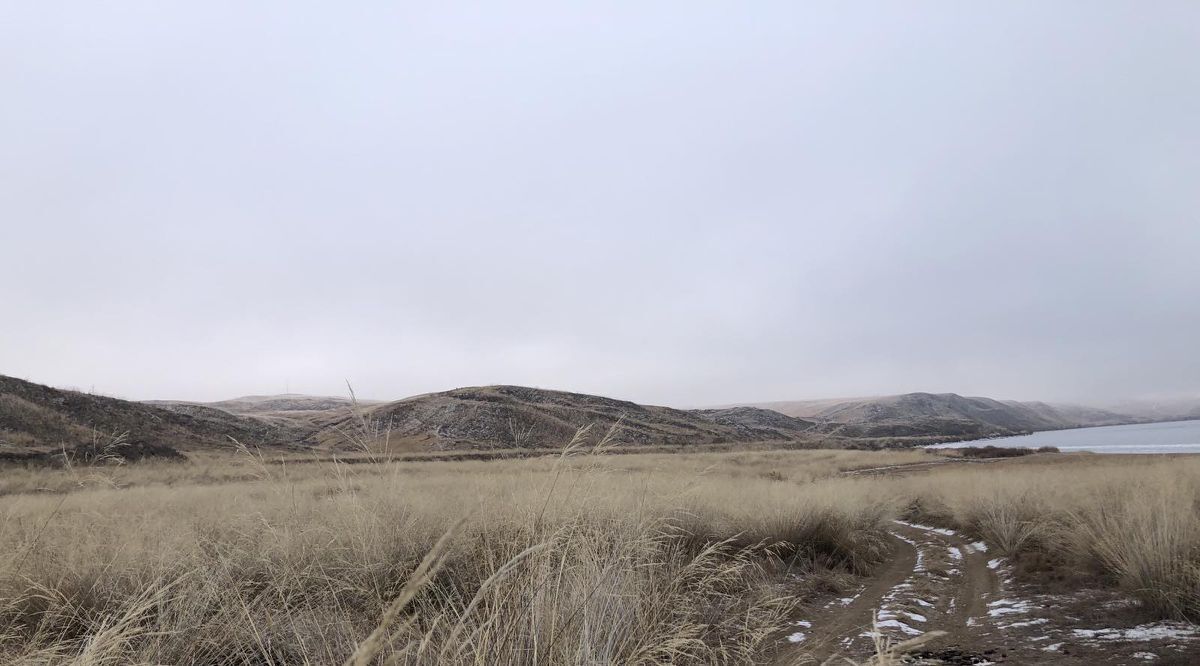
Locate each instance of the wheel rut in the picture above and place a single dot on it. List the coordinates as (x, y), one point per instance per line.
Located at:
(934, 580)
(850, 616)
(938, 580)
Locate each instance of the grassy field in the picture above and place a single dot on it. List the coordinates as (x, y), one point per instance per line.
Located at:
(655, 558)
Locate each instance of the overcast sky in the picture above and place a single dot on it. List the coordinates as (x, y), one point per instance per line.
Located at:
(682, 203)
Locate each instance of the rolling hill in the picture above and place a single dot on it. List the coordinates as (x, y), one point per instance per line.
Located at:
(39, 420)
(270, 404)
(942, 414)
(1171, 409)
(520, 417)
(294, 415)
(36, 419)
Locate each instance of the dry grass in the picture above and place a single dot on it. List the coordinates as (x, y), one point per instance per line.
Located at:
(214, 468)
(589, 559)
(567, 560)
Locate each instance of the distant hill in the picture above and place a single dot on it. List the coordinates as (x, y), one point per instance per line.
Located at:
(268, 404)
(519, 417)
(36, 418)
(1171, 409)
(942, 414)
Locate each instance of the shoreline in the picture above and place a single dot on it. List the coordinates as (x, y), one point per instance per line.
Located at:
(1068, 440)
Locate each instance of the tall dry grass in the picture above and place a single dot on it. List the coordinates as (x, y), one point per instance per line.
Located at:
(559, 560)
(575, 559)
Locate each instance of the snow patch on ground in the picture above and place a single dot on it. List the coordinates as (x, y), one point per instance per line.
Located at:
(1009, 607)
(939, 530)
(926, 528)
(799, 636)
(1145, 632)
(1024, 623)
(995, 564)
(917, 547)
(893, 624)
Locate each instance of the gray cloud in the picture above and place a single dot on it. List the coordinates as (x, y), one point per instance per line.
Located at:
(677, 203)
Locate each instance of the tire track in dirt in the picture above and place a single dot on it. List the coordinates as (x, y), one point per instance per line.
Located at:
(979, 580)
(850, 616)
(935, 580)
(968, 590)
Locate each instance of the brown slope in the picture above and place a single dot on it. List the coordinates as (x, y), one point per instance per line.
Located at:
(270, 404)
(296, 414)
(1076, 416)
(522, 417)
(942, 414)
(34, 417)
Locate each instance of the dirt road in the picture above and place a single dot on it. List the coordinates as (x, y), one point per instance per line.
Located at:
(939, 579)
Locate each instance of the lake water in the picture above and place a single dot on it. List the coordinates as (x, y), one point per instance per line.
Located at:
(1171, 437)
